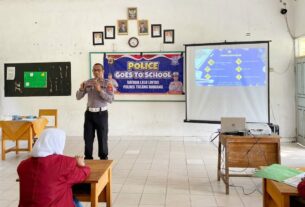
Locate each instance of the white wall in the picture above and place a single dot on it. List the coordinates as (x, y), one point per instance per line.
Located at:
(299, 18)
(50, 30)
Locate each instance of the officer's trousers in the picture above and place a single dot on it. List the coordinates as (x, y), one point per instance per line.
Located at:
(96, 121)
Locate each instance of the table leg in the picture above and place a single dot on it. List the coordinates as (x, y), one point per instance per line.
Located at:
(286, 201)
(226, 172)
(219, 160)
(94, 195)
(266, 196)
(267, 199)
(17, 147)
(108, 190)
(30, 141)
(3, 149)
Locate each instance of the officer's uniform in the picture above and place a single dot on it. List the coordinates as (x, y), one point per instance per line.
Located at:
(114, 84)
(175, 86)
(96, 117)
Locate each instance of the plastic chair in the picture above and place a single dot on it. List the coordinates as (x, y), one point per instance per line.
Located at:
(49, 113)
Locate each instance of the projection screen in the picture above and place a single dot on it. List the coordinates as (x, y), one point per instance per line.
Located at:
(227, 80)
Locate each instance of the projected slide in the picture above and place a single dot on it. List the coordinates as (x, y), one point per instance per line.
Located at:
(35, 80)
(230, 67)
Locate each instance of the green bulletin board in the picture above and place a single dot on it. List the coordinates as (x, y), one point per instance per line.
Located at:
(35, 79)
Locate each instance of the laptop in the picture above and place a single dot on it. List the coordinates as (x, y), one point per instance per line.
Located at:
(233, 124)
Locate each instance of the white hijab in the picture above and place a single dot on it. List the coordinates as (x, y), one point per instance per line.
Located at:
(51, 141)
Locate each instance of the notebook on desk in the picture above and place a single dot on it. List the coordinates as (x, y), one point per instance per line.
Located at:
(295, 180)
(233, 124)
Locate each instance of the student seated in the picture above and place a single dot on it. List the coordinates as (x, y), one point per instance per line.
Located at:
(47, 177)
(300, 201)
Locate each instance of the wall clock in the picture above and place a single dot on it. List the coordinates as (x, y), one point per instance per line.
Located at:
(133, 42)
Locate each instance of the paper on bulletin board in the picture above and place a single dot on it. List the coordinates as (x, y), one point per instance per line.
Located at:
(10, 73)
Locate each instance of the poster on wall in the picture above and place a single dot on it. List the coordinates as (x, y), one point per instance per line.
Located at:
(160, 73)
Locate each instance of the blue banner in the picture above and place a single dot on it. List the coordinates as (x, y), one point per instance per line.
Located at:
(160, 73)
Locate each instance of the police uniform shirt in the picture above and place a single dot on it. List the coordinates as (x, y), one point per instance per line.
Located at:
(96, 99)
(114, 84)
(175, 86)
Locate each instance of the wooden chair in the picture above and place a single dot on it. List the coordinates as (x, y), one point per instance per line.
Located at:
(49, 112)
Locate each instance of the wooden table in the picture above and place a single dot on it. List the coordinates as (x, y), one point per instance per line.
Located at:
(278, 194)
(97, 187)
(245, 152)
(21, 130)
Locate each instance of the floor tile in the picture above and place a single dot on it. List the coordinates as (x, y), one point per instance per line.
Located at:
(160, 172)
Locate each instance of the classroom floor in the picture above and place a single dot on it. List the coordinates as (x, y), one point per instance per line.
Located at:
(160, 172)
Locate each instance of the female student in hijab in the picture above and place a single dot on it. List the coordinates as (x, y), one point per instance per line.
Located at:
(47, 177)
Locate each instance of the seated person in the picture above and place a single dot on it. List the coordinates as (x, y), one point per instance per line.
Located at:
(299, 201)
(47, 177)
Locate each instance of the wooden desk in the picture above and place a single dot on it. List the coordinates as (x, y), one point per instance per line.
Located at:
(245, 152)
(21, 130)
(278, 194)
(97, 187)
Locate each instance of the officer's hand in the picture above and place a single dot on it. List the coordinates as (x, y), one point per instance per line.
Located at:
(82, 86)
(97, 86)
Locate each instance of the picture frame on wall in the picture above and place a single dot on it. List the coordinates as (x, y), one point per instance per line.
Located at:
(122, 27)
(98, 38)
(168, 36)
(109, 32)
(132, 13)
(156, 30)
(143, 27)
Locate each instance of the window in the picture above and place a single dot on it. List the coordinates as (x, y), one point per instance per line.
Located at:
(300, 47)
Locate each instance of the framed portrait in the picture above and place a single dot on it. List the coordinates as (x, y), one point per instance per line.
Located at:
(98, 38)
(122, 27)
(143, 27)
(109, 32)
(156, 30)
(132, 13)
(168, 36)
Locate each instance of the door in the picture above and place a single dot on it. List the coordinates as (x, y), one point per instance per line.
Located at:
(300, 99)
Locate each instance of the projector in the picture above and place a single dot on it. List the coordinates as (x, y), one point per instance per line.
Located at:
(258, 129)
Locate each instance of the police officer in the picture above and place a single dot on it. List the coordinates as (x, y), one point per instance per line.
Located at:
(100, 92)
(176, 86)
(114, 83)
